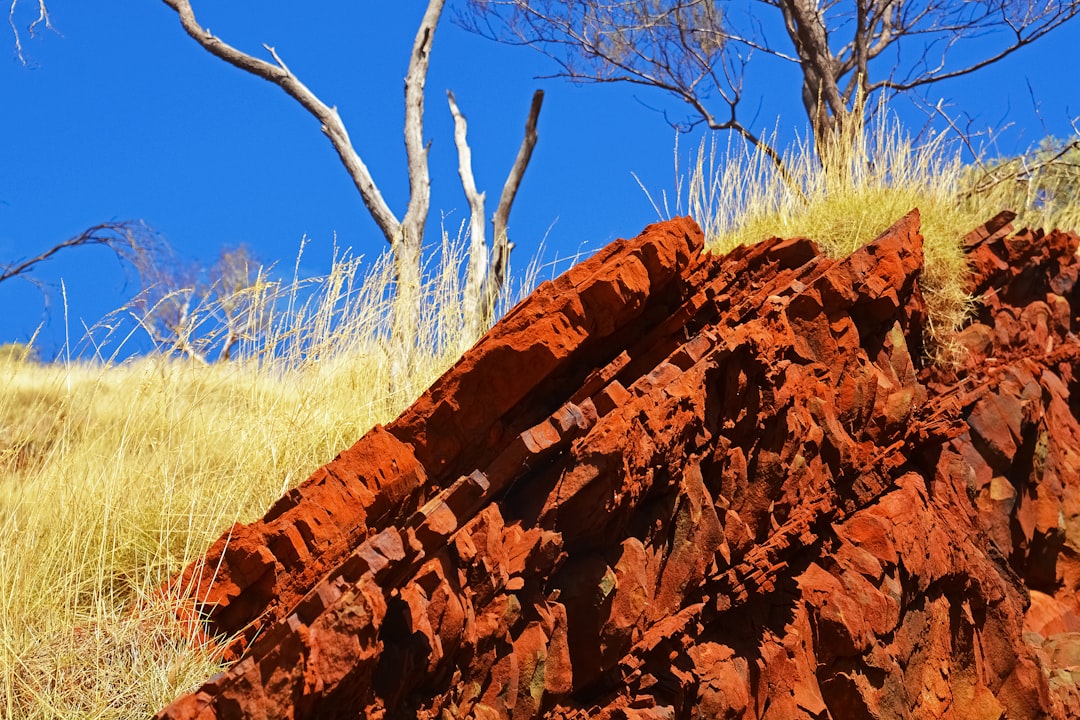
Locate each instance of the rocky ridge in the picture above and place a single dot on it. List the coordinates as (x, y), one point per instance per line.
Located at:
(674, 485)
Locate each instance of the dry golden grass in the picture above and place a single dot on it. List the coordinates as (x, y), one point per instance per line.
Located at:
(115, 476)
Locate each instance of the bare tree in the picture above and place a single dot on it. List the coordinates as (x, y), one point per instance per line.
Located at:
(698, 50)
(238, 277)
(168, 305)
(405, 234)
(203, 312)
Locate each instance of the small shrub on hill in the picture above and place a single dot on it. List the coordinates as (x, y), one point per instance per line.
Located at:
(1042, 186)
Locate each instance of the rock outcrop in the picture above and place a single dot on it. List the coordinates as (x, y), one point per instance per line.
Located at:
(673, 485)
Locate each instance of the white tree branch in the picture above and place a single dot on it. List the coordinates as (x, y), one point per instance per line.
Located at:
(331, 122)
(478, 250)
(415, 148)
(501, 245)
(43, 17)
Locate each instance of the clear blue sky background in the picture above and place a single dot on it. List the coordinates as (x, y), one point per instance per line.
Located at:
(122, 116)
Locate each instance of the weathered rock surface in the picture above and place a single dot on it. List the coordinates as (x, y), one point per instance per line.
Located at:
(671, 485)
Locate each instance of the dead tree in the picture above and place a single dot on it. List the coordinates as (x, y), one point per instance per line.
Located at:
(204, 312)
(405, 234)
(698, 50)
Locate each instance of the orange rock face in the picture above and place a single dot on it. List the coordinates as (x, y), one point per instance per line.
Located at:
(673, 485)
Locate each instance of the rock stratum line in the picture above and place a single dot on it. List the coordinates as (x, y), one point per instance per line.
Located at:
(675, 485)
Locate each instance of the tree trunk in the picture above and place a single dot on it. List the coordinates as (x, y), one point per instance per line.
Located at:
(409, 239)
(821, 95)
(405, 325)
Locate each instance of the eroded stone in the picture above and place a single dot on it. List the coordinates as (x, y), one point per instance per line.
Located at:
(671, 482)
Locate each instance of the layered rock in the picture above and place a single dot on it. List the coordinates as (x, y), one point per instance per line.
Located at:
(1020, 448)
(676, 485)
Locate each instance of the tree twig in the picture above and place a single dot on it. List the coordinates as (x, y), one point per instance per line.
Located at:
(123, 238)
(478, 250)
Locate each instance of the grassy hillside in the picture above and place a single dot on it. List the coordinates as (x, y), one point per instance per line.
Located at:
(114, 476)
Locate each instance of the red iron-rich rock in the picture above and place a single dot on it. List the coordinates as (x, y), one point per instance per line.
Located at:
(675, 485)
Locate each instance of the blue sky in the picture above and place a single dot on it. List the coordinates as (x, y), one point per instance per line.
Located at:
(120, 116)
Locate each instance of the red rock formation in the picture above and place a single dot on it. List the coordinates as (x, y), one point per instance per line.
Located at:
(672, 485)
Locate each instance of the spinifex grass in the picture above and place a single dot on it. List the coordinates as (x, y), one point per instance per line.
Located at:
(114, 476)
(874, 176)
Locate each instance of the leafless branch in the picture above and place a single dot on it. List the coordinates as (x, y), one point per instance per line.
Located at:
(501, 245)
(130, 241)
(947, 25)
(478, 250)
(279, 74)
(41, 19)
